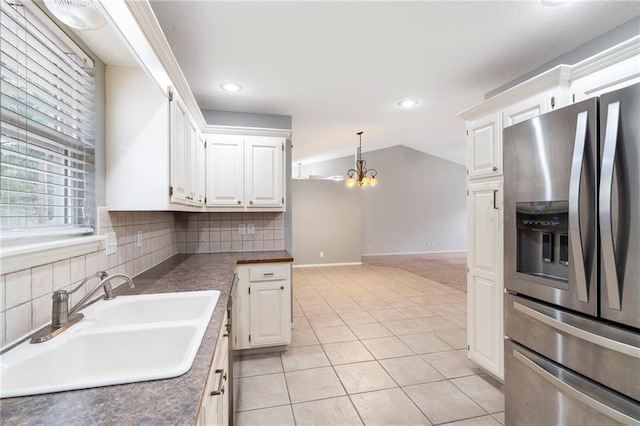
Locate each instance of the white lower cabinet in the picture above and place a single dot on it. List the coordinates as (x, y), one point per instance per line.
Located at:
(214, 409)
(262, 306)
(485, 285)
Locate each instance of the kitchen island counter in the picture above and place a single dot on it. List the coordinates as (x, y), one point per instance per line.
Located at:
(173, 401)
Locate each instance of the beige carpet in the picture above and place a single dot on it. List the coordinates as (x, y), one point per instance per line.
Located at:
(445, 268)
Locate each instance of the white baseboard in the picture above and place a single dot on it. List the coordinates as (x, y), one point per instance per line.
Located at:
(328, 264)
(414, 252)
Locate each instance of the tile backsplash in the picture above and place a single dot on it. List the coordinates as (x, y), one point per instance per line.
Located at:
(218, 232)
(25, 296)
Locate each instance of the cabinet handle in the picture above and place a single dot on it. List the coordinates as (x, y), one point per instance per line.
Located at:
(223, 376)
(281, 287)
(238, 201)
(495, 192)
(268, 274)
(495, 169)
(251, 202)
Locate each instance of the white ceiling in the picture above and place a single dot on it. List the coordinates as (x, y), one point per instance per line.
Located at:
(340, 67)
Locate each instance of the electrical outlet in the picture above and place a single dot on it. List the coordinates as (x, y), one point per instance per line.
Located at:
(139, 240)
(321, 254)
(251, 229)
(111, 243)
(242, 229)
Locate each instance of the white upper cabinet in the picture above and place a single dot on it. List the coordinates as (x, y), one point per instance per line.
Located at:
(532, 107)
(225, 171)
(180, 151)
(200, 169)
(245, 172)
(186, 154)
(484, 146)
(264, 175)
(152, 150)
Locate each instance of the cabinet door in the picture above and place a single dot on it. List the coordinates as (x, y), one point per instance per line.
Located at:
(527, 109)
(264, 159)
(180, 150)
(485, 339)
(199, 170)
(225, 171)
(485, 276)
(215, 404)
(270, 308)
(191, 161)
(484, 147)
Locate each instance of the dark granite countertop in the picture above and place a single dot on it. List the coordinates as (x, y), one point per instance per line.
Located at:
(160, 402)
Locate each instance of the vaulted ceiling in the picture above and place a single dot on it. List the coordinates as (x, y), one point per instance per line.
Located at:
(341, 67)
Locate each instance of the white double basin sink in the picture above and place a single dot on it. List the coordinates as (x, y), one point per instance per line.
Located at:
(124, 340)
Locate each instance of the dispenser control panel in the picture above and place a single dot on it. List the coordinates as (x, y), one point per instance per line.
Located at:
(543, 215)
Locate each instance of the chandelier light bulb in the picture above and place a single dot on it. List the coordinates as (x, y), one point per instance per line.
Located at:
(361, 175)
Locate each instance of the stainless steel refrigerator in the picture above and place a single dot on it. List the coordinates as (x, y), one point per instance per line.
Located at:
(572, 264)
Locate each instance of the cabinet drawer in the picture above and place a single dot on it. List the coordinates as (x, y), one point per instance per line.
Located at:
(268, 273)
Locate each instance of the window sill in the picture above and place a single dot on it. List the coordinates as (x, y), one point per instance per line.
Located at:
(26, 256)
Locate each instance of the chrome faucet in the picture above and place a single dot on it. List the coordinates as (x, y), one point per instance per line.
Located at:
(62, 317)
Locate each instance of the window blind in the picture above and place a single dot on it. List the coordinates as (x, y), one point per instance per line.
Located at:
(47, 117)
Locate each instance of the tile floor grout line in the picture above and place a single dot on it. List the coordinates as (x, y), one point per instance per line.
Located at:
(364, 284)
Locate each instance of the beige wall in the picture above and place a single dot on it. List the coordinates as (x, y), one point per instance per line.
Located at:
(326, 218)
(419, 205)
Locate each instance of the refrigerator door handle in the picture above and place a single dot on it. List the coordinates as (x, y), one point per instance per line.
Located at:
(575, 235)
(564, 384)
(606, 190)
(578, 332)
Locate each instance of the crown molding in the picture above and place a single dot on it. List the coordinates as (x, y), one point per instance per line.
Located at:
(246, 131)
(557, 76)
(607, 58)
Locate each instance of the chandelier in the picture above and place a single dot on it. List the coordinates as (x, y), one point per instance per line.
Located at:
(361, 175)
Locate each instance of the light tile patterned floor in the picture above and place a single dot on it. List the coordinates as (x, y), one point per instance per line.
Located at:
(371, 345)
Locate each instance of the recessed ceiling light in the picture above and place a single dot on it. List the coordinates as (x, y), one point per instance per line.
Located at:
(230, 86)
(408, 103)
(554, 2)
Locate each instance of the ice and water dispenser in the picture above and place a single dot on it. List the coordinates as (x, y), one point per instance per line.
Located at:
(543, 240)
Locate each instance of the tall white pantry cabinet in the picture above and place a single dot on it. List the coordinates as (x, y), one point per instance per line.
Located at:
(610, 70)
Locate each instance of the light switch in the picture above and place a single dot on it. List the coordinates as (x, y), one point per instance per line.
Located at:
(251, 229)
(242, 229)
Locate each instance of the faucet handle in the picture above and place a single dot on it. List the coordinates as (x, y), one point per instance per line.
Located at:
(60, 310)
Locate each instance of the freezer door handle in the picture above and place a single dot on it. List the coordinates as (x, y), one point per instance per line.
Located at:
(606, 190)
(567, 386)
(575, 235)
(578, 332)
